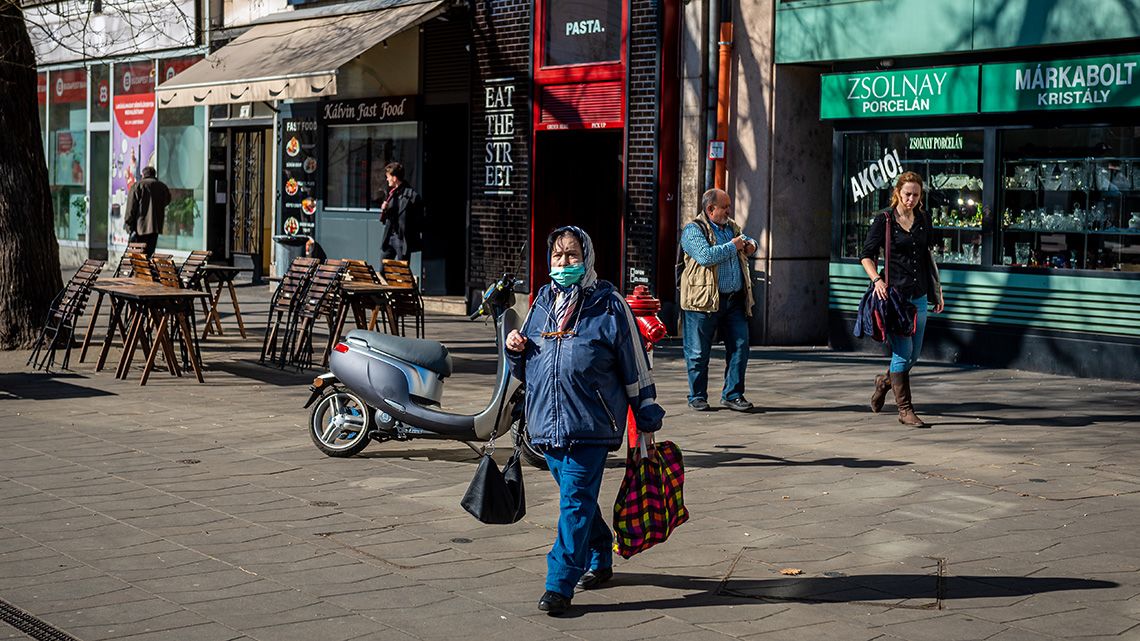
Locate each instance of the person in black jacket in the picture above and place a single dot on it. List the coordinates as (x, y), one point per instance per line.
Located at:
(914, 275)
(146, 209)
(402, 211)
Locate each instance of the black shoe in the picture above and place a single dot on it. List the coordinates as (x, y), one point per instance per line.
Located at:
(553, 603)
(699, 404)
(594, 578)
(739, 404)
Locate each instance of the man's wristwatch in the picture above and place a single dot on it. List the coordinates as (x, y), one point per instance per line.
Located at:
(877, 279)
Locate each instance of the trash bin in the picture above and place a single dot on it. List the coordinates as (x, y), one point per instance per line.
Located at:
(288, 248)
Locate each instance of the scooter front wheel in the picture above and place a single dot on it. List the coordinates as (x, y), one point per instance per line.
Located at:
(339, 424)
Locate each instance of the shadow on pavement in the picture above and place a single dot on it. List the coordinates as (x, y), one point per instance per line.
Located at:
(265, 374)
(884, 589)
(697, 458)
(46, 387)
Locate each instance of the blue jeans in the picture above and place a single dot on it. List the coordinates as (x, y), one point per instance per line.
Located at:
(732, 320)
(905, 349)
(584, 539)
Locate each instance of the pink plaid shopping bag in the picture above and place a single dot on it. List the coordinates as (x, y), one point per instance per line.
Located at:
(650, 503)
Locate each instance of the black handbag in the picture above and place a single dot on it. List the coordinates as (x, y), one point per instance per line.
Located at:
(496, 497)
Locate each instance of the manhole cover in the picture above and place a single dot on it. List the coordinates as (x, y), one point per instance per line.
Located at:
(460, 539)
(188, 461)
(324, 503)
(915, 583)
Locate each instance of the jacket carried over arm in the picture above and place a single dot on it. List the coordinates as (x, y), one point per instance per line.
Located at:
(579, 388)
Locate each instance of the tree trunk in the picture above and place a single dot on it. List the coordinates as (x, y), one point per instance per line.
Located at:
(29, 253)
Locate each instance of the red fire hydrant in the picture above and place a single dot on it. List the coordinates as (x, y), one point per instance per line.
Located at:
(645, 308)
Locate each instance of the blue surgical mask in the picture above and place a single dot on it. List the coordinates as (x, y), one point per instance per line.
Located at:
(568, 275)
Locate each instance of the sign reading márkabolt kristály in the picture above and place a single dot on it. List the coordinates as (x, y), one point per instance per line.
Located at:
(1086, 83)
(906, 92)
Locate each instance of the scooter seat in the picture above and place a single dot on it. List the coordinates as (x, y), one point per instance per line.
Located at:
(428, 354)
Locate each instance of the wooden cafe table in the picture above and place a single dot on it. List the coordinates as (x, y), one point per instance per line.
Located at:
(359, 296)
(153, 306)
(216, 279)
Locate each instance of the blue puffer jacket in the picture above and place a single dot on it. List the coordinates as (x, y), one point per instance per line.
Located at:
(579, 388)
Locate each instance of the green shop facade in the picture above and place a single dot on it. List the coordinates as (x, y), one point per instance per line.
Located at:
(1030, 150)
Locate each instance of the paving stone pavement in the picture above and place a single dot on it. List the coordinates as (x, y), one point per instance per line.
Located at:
(203, 512)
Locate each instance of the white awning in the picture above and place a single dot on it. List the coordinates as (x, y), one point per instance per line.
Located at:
(284, 60)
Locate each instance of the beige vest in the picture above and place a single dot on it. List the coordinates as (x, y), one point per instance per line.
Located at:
(699, 292)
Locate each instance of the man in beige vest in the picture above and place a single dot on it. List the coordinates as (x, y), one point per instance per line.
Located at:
(716, 294)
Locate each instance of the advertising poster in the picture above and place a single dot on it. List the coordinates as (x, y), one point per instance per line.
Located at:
(69, 148)
(299, 160)
(133, 138)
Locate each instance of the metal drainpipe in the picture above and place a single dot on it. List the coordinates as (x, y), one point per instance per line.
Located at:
(724, 81)
(712, 67)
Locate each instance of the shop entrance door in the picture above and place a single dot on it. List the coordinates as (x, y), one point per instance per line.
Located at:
(578, 178)
(445, 198)
(99, 193)
(249, 198)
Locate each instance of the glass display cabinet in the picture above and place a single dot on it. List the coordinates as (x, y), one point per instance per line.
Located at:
(1070, 200)
(951, 163)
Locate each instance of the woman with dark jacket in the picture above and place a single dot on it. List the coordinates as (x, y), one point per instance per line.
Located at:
(581, 358)
(915, 276)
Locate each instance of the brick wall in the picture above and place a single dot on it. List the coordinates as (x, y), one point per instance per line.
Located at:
(641, 144)
(500, 223)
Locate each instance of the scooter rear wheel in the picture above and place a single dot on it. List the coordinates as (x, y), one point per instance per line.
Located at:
(339, 424)
(529, 454)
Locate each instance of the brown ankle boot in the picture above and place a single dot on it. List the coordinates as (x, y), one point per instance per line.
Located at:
(879, 396)
(900, 383)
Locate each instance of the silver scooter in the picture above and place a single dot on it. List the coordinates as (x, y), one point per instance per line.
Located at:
(383, 387)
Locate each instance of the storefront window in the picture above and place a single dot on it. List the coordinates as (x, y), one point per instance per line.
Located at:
(1071, 198)
(582, 31)
(182, 166)
(357, 155)
(67, 152)
(951, 164)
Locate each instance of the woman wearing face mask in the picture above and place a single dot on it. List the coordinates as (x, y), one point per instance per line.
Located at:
(914, 275)
(581, 358)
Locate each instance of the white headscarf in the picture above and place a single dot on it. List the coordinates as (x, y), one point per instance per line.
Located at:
(566, 298)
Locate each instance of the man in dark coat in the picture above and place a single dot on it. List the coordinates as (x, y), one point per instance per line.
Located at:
(402, 210)
(146, 209)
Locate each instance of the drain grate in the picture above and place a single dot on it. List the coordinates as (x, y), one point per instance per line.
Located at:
(912, 584)
(31, 625)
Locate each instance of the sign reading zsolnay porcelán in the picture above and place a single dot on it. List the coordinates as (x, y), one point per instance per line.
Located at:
(1086, 83)
(906, 92)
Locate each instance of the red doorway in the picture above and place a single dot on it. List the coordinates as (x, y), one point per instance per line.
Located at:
(578, 178)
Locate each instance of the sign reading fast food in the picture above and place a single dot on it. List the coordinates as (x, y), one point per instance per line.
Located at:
(370, 111)
(299, 164)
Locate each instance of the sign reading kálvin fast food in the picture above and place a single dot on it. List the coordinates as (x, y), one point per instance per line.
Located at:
(1087, 83)
(906, 92)
(369, 111)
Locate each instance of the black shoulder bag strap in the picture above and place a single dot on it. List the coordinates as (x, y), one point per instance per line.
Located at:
(887, 247)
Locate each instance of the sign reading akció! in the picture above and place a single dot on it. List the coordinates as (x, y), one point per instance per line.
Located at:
(1086, 83)
(906, 92)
